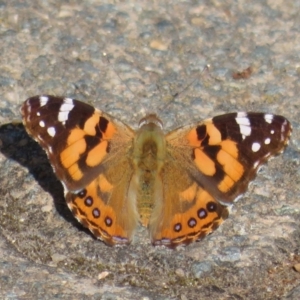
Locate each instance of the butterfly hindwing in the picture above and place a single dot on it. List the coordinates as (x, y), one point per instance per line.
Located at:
(95, 206)
(188, 211)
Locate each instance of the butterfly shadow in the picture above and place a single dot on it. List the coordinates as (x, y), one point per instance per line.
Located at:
(15, 144)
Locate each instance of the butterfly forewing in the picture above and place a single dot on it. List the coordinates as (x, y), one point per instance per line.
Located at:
(75, 135)
(227, 150)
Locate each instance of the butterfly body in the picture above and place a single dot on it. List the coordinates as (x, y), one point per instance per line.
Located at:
(149, 154)
(176, 184)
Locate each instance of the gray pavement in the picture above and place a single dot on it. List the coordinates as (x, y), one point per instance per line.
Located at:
(155, 50)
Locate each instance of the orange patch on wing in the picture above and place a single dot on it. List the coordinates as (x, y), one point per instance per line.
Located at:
(75, 172)
(96, 155)
(192, 138)
(226, 184)
(72, 153)
(214, 134)
(110, 212)
(168, 231)
(203, 197)
(104, 184)
(230, 165)
(110, 131)
(230, 147)
(90, 124)
(79, 204)
(190, 193)
(118, 231)
(75, 135)
(204, 163)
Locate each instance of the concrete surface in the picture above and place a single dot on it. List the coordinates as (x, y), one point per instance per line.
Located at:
(155, 50)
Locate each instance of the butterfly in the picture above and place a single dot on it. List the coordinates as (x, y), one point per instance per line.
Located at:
(178, 184)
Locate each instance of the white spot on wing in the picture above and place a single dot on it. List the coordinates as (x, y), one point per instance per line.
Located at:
(42, 123)
(245, 130)
(51, 131)
(241, 114)
(267, 141)
(242, 120)
(272, 131)
(268, 118)
(43, 100)
(63, 116)
(244, 124)
(64, 110)
(255, 146)
(66, 107)
(68, 101)
(38, 113)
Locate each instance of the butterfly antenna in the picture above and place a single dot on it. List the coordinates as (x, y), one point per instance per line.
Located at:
(187, 87)
(113, 68)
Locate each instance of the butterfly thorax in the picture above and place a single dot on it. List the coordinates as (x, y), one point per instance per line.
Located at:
(148, 158)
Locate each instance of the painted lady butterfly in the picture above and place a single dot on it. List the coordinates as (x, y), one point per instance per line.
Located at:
(177, 184)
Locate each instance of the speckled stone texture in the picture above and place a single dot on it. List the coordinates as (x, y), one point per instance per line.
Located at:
(155, 50)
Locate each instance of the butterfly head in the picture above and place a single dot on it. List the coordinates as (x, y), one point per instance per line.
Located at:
(151, 119)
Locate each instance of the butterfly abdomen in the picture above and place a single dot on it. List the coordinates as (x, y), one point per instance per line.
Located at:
(148, 159)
